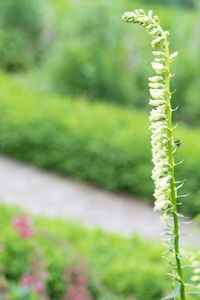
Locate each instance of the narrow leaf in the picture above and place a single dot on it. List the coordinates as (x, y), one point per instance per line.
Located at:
(191, 266)
(180, 257)
(181, 216)
(168, 297)
(186, 222)
(191, 285)
(168, 250)
(192, 292)
(177, 290)
(182, 196)
(179, 186)
(187, 234)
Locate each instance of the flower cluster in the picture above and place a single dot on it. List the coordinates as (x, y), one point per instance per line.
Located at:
(158, 117)
(77, 284)
(23, 225)
(36, 281)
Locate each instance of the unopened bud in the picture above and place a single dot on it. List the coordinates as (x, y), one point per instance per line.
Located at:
(156, 18)
(173, 56)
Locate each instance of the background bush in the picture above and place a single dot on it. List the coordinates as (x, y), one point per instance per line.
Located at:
(184, 3)
(14, 50)
(95, 142)
(20, 36)
(96, 55)
(88, 57)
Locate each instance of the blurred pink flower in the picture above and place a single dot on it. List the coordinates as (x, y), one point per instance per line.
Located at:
(3, 284)
(1, 247)
(77, 284)
(23, 225)
(26, 280)
(37, 283)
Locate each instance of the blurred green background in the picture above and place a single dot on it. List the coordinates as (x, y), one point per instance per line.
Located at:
(82, 48)
(80, 78)
(74, 99)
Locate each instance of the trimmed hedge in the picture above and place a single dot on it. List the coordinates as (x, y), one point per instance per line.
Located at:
(95, 142)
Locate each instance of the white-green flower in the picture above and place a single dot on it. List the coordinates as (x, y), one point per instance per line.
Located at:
(157, 114)
(156, 78)
(173, 56)
(156, 41)
(155, 125)
(164, 218)
(158, 53)
(157, 93)
(158, 67)
(156, 85)
(195, 278)
(156, 102)
(161, 205)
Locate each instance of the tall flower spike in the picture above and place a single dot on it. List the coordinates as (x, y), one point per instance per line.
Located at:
(162, 139)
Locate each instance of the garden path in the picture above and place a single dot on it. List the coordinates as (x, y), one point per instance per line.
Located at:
(43, 193)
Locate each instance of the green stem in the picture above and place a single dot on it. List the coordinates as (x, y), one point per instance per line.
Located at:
(172, 180)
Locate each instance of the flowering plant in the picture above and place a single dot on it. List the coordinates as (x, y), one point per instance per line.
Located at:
(163, 145)
(77, 284)
(36, 278)
(23, 225)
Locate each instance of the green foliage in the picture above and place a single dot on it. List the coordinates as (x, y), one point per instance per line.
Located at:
(97, 56)
(22, 14)
(12, 267)
(89, 58)
(89, 52)
(123, 266)
(14, 51)
(21, 27)
(184, 3)
(95, 142)
(20, 293)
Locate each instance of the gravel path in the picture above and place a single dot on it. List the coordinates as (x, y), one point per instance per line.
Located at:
(47, 194)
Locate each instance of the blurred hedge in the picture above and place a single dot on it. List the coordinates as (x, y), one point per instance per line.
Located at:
(184, 3)
(113, 261)
(95, 142)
